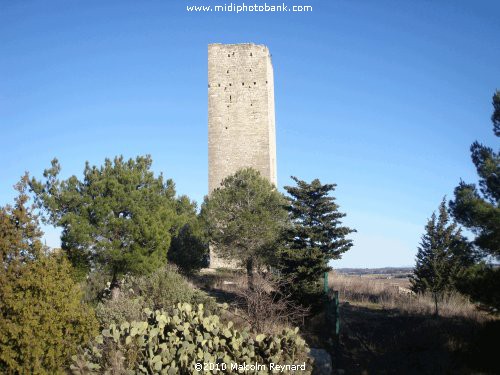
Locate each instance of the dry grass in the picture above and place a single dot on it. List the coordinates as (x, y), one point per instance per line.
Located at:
(386, 293)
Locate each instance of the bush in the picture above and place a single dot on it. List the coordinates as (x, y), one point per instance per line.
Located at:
(160, 290)
(43, 320)
(175, 343)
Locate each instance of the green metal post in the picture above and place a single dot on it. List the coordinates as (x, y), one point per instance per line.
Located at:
(325, 282)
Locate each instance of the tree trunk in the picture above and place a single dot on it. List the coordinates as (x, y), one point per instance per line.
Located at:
(250, 273)
(436, 312)
(115, 287)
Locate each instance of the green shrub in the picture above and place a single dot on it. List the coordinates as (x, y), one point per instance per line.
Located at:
(174, 343)
(42, 320)
(160, 290)
(42, 317)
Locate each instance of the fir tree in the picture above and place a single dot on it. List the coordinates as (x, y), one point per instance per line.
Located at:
(315, 237)
(442, 258)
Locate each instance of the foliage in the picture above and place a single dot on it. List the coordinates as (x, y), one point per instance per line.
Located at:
(244, 218)
(188, 250)
(479, 209)
(159, 290)
(442, 257)
(42, 319)
(495, 117)
(482, 283)
(118, 218)
(315, 238)
(174, 343)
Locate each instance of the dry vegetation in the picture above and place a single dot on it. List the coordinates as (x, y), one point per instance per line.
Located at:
(385, 330)
(389, 293)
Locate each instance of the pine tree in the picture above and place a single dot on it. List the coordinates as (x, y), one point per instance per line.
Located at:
(442, 258)
(244, 218)
(479, 209)
(42, 318)
(315, 237)
(119, 218)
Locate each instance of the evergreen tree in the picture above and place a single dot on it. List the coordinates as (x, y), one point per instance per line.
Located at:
(189, 247)
(442, 258)
(495, 117)
(244, 218)
(42, 318)
(118, 218)
(478, 209)
(315, 237)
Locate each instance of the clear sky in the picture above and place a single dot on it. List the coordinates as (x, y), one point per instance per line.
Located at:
(380, 97)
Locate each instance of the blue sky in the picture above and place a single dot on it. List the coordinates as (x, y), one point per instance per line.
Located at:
(381, 97)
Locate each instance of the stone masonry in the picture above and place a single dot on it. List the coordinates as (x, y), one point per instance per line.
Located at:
(241, 128)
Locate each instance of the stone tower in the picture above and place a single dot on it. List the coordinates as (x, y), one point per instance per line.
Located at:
(241, 129)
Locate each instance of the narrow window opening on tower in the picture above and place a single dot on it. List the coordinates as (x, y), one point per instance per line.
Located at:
(250, 70)
(233, 53)
(251, 54)
(219, 84)
(227, 71)
(255, 83)
(230, 84)
(230, 98)
(242, 83)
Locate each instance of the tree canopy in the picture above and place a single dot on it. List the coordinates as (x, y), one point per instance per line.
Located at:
(478, 208)
(244, 218)
(119, 217)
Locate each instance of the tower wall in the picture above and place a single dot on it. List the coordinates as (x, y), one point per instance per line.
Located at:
(241, 129)
(241, 120)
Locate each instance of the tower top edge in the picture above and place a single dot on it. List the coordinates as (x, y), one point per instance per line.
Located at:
(237, 45)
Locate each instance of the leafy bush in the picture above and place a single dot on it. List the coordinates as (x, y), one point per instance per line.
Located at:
(175, 343)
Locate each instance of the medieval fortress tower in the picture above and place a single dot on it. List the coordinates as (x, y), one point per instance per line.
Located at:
(241, 128)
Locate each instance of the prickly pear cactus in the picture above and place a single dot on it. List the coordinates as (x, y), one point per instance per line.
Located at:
(188, 341)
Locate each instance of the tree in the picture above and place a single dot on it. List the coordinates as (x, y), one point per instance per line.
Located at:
(118, 218)
(42, 318)
(189, 248)
(442, 258)
(478, 209)
(244, 218)
(495, 117)
(315, 237)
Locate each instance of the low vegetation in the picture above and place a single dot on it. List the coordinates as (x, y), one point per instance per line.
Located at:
(174, 342)
(386, 330)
